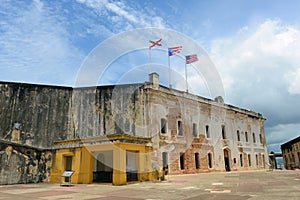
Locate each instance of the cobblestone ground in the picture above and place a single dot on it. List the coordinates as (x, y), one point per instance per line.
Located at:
(281, 184)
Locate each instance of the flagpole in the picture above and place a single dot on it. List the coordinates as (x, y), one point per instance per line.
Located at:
(186, 82)
(150, 60)
(170, 85)
(172, 51)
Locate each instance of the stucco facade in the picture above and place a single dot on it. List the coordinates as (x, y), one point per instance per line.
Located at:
(115, 159)
(204, 135)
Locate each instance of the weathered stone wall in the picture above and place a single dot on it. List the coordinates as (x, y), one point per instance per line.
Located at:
(34, 115)
(291, 154)
(108, 110)
(23, 164)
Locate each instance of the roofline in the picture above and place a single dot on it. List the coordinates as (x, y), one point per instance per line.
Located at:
(23, 145)
(213, 102)
(104, 86)
(36, 84)
(146, 85)
(297, 139)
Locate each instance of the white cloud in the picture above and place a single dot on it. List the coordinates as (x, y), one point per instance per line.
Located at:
(119, 8)
(294, 79)
(35, 46)
(128, 16)
(281, 133)
(259, 59)
(260, 70)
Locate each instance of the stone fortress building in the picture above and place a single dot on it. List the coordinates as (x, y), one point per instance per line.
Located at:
(291, 153)
(122, 133)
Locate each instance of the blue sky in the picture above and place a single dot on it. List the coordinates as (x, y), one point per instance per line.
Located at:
(255, 46)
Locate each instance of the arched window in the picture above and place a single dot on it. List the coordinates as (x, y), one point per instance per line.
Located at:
(249, 159)
(238, 135)
(209, 156)
(182, 161)
(246, 136)
(241, 160)
(179, 128)
(197, 164)
(256, 159)
(207, 131)
(260, 138)
(163, 125)
(223, 132)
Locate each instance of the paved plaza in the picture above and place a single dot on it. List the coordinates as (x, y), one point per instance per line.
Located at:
(281, 184)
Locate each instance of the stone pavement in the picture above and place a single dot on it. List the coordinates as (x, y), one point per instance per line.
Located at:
(281, 184)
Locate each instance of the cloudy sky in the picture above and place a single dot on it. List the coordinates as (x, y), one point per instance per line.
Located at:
(254, 45)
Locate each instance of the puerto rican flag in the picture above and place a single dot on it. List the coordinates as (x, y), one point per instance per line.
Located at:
(191, 58)
(174, 50)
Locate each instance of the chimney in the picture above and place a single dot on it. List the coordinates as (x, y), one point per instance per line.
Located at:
(154, 79)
